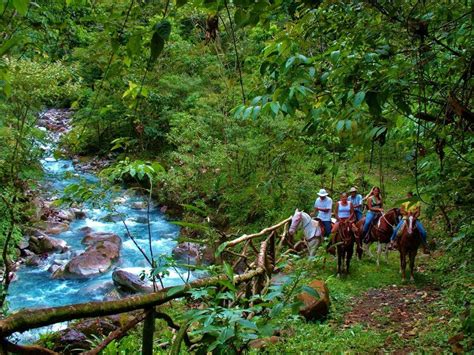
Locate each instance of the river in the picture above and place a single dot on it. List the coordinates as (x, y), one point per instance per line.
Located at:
(34, 286)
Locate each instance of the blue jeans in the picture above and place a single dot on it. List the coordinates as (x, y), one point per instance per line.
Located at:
(327, 228)
(370, 216)
(420, 227)
(358, 215)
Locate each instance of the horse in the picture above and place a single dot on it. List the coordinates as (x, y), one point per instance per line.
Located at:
(344, 241)
(313, 231)
(408, 243)
(381, 231)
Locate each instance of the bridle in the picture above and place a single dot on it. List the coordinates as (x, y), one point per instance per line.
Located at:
(385, 219)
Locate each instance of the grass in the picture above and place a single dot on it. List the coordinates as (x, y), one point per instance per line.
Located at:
(299, 336)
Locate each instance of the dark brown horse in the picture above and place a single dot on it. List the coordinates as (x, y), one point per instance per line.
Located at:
(381, 231)
(408, 243)
(344, 241)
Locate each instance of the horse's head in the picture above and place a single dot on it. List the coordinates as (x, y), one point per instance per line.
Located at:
(295, 221)
(410, 224)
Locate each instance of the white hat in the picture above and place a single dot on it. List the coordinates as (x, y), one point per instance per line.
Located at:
(322, 192)
(353, 189)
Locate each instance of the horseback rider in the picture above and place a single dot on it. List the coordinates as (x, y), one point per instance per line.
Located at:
(375, 206)
(356, 201)
(323, 207)
(408, 209)
(344, 211)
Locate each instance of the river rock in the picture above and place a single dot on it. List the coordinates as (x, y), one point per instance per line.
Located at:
(71, 339)
(139, 205)
(53, 268)
(98, 258)
(23, 244)
(78, 213)
(130, 282)
(33, 260)
(96, 237)
(65, 215)
(314, 308)
(44, 244)
(187, 250)
(85, 230)
(141, 219)
(56, 227)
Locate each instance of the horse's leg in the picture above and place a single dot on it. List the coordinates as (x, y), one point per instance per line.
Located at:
(339, 260)
(386, 252)
(349, 254)
(403, 264)
(412, 265)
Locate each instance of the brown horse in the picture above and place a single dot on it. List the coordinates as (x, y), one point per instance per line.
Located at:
(381, 231)
(408, 243)
(344, 241)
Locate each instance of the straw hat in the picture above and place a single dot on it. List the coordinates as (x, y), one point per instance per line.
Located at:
(353, 189)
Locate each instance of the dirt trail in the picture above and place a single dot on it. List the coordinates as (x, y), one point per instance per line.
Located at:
(399, 310)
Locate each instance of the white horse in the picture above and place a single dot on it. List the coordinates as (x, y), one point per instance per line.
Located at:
(311, 229)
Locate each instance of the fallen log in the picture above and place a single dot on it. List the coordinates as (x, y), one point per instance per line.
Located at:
(35, 318)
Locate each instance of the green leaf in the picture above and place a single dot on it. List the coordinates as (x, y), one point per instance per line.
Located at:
(372, 101)
(334, 56)
(227, 284)
(21, 6)
(180, 3)
(9, 44)
(358, 98)
(221, 248)
(161, 34)
(275, 107)
(247, 112)
(256, 112)
(228, 271)
(311, 291)
(247, 324)
(276, 310)
(191, 225)
(175, 290)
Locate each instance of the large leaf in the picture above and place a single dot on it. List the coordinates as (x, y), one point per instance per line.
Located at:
(358, 98)
(161, 34)
(21, 6)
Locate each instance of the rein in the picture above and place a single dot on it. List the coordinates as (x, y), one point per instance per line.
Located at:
(383, 216)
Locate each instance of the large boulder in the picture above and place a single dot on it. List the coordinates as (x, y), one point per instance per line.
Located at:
(314, 308)
(102, 252)
(93, 238)
(42, 243)
(130, 282)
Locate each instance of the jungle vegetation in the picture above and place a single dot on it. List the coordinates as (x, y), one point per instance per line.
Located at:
(249, 107)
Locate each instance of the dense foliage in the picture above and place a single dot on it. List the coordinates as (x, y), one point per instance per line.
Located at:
(249, 107)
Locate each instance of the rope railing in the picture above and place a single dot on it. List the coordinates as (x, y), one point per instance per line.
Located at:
(254, 280)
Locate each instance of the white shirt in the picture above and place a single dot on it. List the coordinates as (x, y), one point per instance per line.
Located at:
(326, 203)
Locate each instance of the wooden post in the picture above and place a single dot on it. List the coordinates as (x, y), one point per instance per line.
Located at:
(148, 331)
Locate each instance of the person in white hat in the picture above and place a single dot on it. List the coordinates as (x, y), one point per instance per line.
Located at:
(323, 207)
(356, 200)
